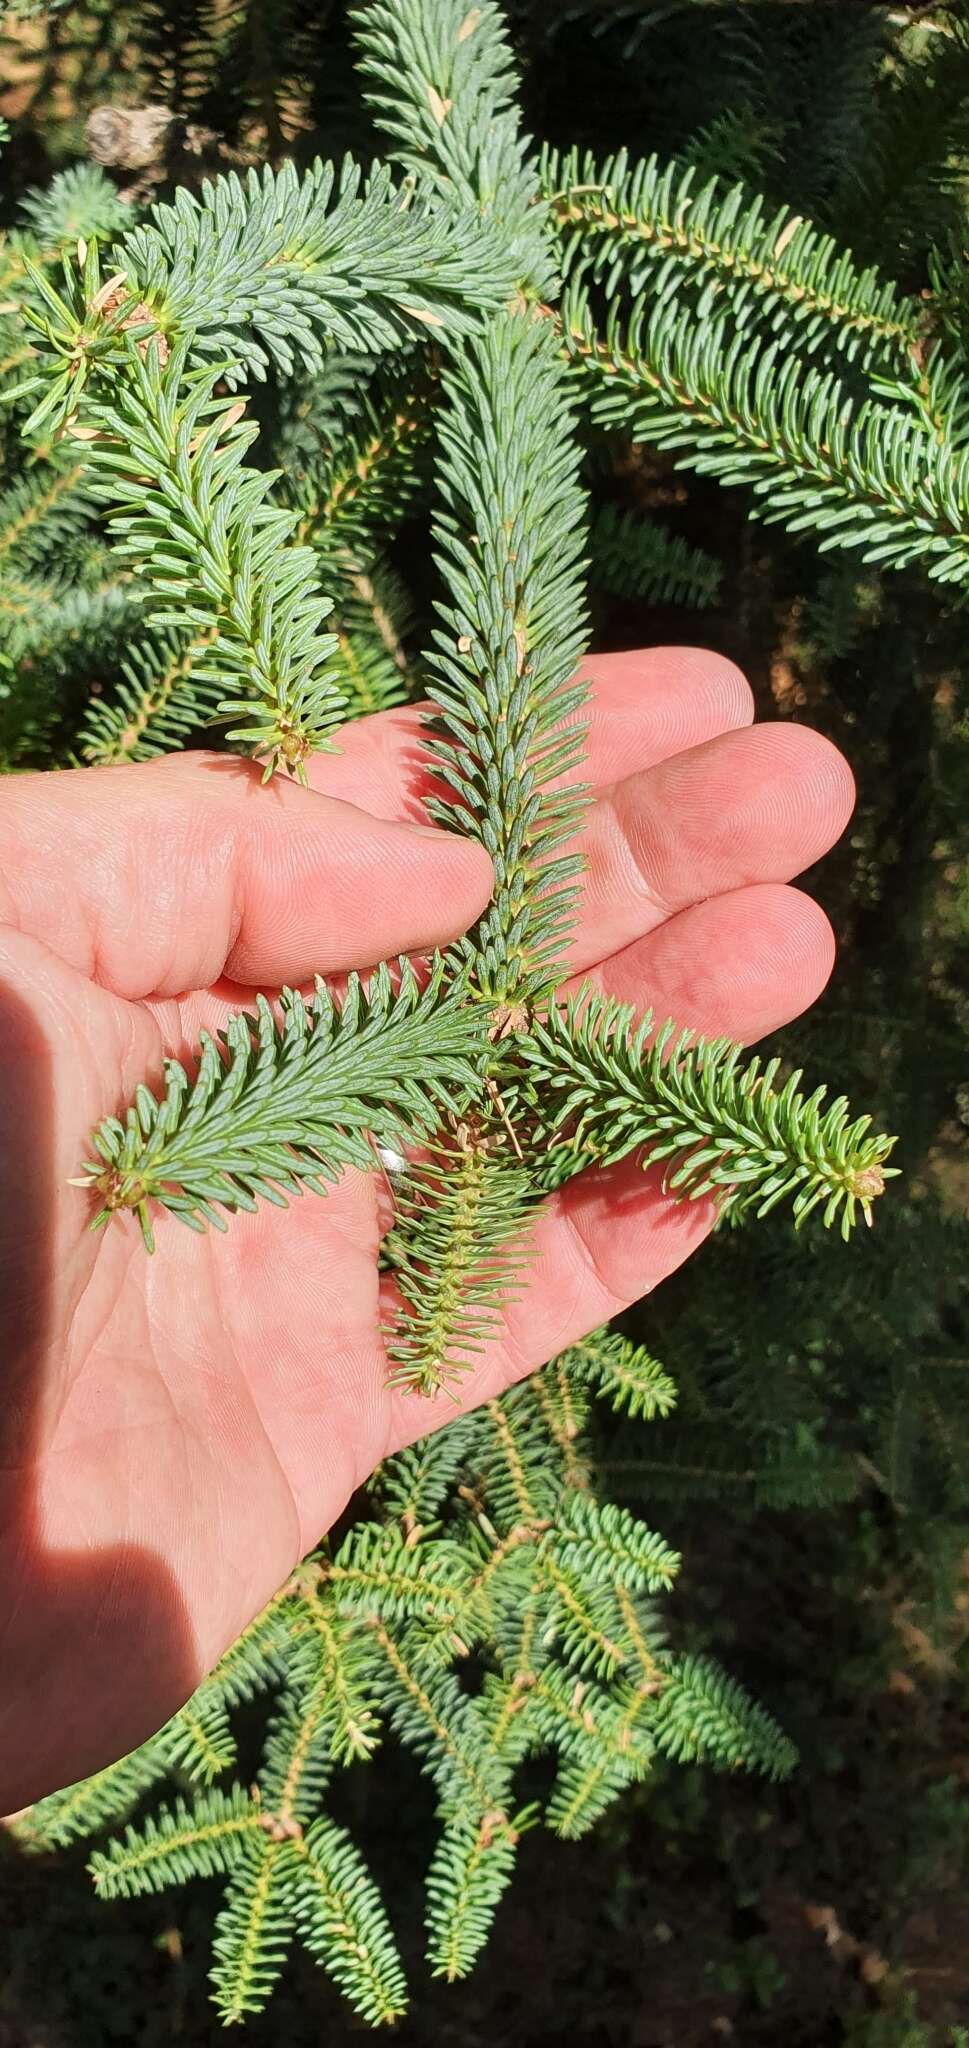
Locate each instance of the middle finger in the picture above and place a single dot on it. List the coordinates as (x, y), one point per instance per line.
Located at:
(749, 807)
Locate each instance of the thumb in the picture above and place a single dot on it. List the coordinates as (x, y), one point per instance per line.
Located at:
(160, 878)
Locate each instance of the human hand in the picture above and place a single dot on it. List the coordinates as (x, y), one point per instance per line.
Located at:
(178, 1431)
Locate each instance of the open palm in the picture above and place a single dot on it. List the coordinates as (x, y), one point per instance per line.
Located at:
(178, 1431)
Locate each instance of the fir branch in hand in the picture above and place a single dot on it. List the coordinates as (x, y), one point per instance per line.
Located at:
(511, 543)
(863, 476)
(604, 1088)
(286, 1104)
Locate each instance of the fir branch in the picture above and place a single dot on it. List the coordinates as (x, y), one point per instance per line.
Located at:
(604, 1087)
(270, 269)
(40, 511)
(604, 1738)
(644, 1631)
(703, 1713)
(254, 1929)
(644, 227)
(622, 1373)
(443, 87)
(936, 394)
(589, 1781)
(55, 637)
(907, 187)
(66, 626)
(341, 1921)
(288, 1104)
(502, 670)
(509, 1693)
(456, 1214)
(319, 412)
(341, 1670)
(372, 612)
(582, 1620)
(738, 146)
(510, 545)
(561, 1402)
(81, 331)
(583, 1793)
(633, 557)
(199, 1740)
(522, 1484)
(168, 460)
(471, 1868)
(585, 1721)
(599, 1540)
(862, 475)
(362, 482)
(352, 493)
(21, 598)
(384, 1573)
(491, 1609)
(92, 1804)
(256, 1659)
(433, 1716)
(78, 203)
(297, 1762)
(414, 1485)
(176, 1844)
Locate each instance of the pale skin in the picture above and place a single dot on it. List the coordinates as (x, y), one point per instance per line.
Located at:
(179, 1430)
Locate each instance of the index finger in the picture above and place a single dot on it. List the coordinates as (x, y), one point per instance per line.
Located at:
(163, 877)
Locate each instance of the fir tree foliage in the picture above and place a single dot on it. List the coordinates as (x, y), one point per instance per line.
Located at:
(291, 1100)
(443, 88)
(621, 1373)
(717, 1131)
(78, 203)
(510, 542)
(158, 703)
(483, 1542)
(264, 271)
(635, 558)
(357, 480)
(862, 475)
(649, 226)
(394, 340)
